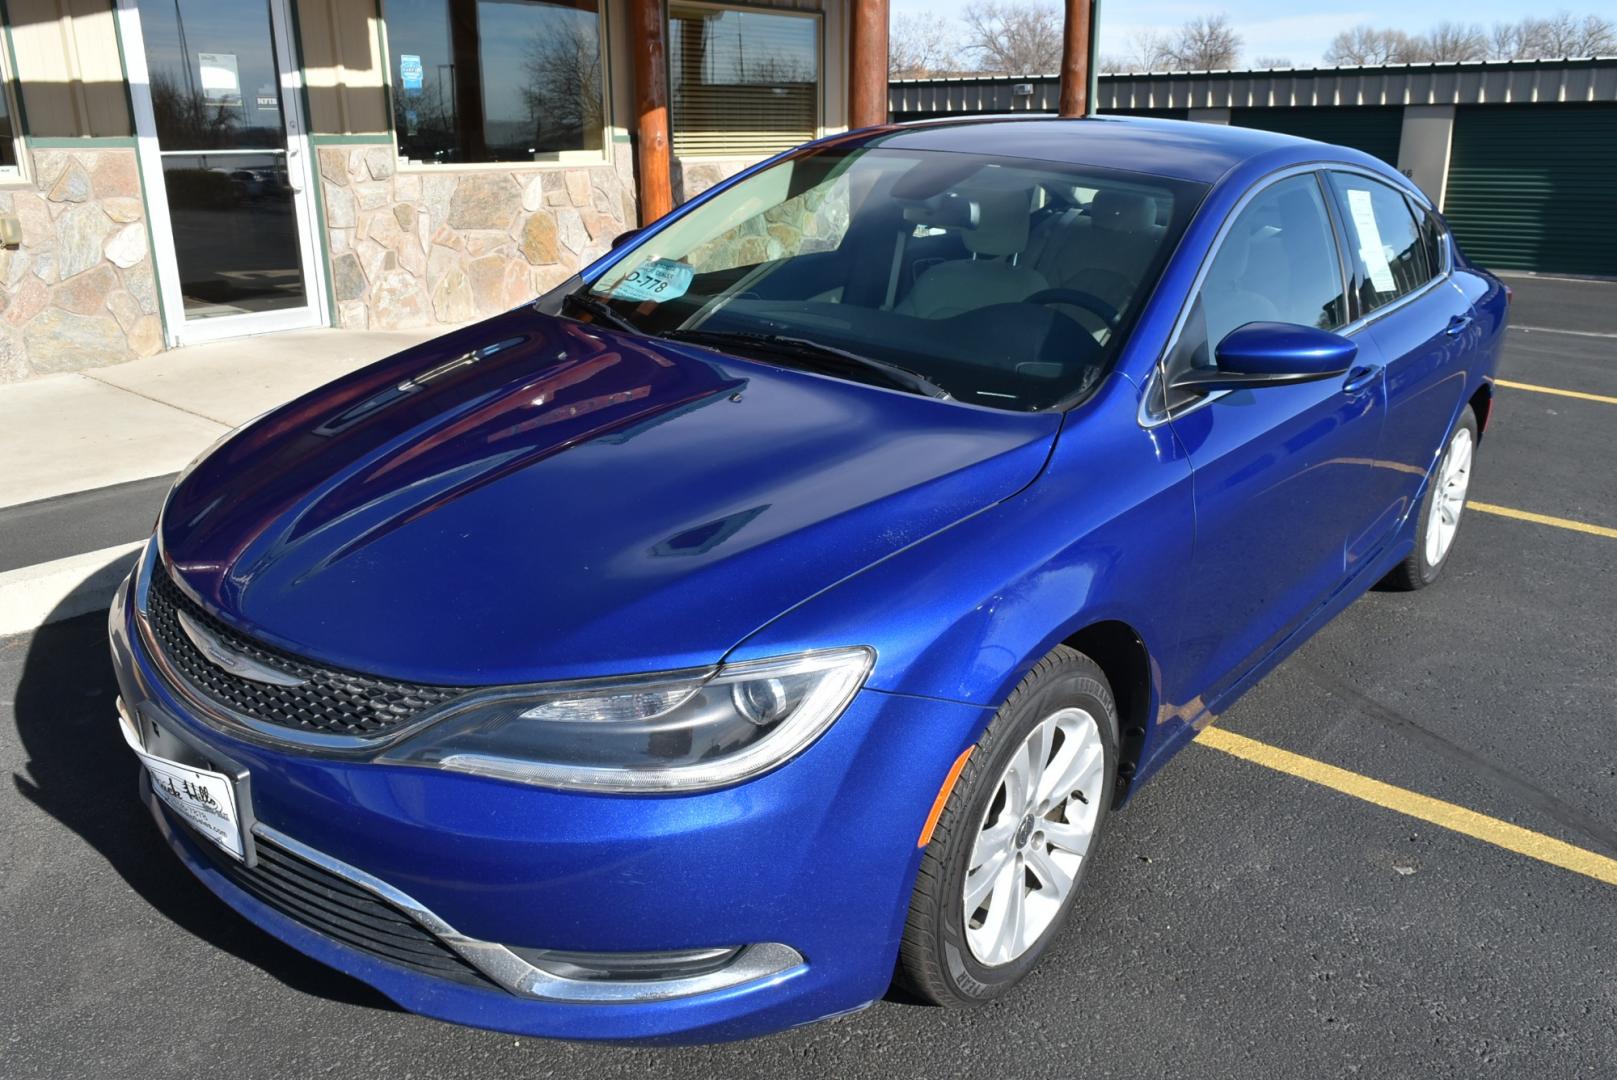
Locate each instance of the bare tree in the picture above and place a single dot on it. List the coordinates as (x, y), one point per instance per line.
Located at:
(1014, 37)
(1270, 63)
(1365, 44)
(1148, 51)
(563, 87)
(1205, 43)
(1448, 42)
(919, 46)
(1507, 41)
(1560, 35)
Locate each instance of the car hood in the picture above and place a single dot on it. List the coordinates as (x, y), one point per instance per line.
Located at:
(533, 498)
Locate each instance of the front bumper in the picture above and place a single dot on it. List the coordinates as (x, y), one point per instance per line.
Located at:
(818, 856)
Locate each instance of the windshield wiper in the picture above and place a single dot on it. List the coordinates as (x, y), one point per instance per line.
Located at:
(822, 356)
(600, 309)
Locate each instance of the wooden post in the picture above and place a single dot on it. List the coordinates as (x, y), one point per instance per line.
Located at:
(1075, 59)
(867, 63)
(651, 108)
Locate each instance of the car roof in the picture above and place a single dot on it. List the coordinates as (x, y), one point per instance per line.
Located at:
(1181, 149)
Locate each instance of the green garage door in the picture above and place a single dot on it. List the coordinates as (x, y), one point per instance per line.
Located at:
(1375, 129)
(1160, 114)
(1530, 187)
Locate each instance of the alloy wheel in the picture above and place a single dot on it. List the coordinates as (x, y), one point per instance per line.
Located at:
(1448, 501)
(1033, 837)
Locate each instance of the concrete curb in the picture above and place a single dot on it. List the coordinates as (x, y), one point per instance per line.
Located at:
(35, 596)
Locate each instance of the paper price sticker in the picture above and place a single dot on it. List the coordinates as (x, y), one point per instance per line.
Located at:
(1371, 249)
(659, 280)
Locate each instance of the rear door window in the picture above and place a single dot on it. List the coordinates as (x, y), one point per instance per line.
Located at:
(1392, 258)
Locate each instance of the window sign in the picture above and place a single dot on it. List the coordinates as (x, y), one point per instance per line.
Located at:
(410, 74)
(221, 82)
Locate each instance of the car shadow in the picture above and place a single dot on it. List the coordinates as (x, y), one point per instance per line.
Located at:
(79, 771)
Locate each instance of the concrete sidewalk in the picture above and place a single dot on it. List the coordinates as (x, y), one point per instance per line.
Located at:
(67, 440)
(67, 433)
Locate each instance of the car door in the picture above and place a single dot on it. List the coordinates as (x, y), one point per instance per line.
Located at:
(1420, 323)
(1281, 472)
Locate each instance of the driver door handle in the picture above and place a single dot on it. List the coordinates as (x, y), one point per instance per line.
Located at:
(1361, 377)
(1457, 324)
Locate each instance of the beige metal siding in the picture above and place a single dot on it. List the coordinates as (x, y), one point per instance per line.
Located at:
(342, 60)
(69, 68)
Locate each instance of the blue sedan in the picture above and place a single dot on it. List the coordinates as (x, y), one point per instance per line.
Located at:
(790, 598)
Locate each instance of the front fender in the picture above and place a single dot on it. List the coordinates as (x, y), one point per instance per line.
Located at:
(1105, 533)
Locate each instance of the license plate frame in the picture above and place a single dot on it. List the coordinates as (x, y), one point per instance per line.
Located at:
(210, 794)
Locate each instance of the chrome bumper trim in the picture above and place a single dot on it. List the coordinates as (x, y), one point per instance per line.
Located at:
(753, 963)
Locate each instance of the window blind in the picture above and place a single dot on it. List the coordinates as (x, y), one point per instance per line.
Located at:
(743, 83)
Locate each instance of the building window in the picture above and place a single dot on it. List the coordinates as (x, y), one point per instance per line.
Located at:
(744, 82)
(10, 135)
(495, 80)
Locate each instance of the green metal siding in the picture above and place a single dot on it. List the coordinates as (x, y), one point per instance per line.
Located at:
(1160, 114)
(1530, 187)
(1375, 129)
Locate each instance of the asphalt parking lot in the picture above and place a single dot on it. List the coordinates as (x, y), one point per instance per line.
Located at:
(1242, 921)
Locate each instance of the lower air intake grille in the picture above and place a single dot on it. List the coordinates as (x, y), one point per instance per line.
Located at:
(336, 907)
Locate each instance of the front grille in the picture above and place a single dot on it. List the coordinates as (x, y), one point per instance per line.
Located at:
(329, 701)
(336, 907)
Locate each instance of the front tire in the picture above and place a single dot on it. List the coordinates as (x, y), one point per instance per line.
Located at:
(1441, 509)
(1016, 838)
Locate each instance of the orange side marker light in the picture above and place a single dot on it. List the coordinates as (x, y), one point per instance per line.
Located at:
(943, 796)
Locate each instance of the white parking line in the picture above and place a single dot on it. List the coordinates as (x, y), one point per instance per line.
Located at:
(1554, 330)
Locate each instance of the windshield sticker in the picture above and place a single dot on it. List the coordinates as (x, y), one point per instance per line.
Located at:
(658, 280)
(1371, 249)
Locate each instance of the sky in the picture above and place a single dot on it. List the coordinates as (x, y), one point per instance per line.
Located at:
(1299, 31)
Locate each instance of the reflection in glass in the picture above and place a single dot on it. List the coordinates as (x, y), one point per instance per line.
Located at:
(743, 82)
(215, 89)
(495, 80)
(8, 134)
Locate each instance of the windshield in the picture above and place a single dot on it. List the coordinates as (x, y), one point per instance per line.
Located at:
(1001, 282)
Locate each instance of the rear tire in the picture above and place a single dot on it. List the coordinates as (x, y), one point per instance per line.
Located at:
(1440, 510)
(1037, 787)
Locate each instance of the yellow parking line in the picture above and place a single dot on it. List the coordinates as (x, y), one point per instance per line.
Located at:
(1446, 815)
(1606, 399)
(1543, 519)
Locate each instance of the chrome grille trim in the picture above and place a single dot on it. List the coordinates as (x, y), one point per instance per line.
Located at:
(312, 705)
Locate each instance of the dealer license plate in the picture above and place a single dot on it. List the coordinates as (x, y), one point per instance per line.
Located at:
(206, 799)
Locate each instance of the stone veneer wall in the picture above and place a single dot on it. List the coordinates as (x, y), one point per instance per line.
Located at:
(691, 178)
(417, 247)
(79, 290)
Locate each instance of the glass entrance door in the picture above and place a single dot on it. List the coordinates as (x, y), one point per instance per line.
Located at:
(223, 148)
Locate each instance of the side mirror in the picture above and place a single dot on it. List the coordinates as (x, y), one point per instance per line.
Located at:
(1271, 354)
(623, 238)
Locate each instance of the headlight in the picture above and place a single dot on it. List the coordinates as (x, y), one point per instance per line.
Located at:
(674, 734)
